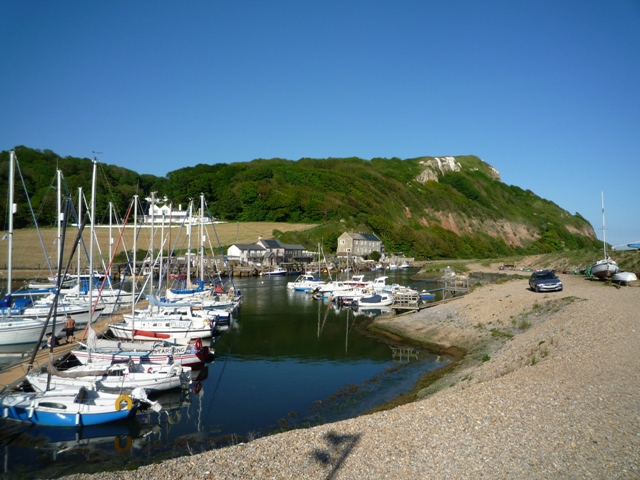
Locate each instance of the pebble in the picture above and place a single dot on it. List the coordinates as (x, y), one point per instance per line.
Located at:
(574, 413)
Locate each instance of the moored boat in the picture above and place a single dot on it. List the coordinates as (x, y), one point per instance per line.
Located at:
(159, 352)
(68, 407)
(180, 322)
(113, 377)
(375, 300)
(304, 283)
(276, 272)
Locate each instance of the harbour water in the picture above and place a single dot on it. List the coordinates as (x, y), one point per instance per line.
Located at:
(287, 361)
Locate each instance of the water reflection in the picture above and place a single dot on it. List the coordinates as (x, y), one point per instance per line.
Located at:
(286, 360)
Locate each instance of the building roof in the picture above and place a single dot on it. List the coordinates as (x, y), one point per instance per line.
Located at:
(363, 236)
(293, 247)
(271, 243)
(248, 246)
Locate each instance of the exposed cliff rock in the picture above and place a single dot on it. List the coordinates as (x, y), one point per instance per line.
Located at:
(436, 166)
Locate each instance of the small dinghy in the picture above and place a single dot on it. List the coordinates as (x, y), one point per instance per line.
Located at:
(624, 277)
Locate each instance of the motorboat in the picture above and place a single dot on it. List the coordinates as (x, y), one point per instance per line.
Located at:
(276, 272)
(375, 300)
(304, 283)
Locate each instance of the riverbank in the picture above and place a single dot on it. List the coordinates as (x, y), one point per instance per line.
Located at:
(549, 389)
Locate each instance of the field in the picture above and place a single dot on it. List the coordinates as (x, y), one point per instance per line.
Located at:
(28, 252)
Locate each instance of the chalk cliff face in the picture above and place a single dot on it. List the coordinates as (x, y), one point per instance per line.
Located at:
(433, 167)
(515, 233)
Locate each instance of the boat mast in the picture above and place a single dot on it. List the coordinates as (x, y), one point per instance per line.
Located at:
(133, 265)
(110, 227)
(91, 236)
(201, 238)
(60, 215)
(12, 209)
(188, 255)
(160, 267)
(604, 229)
(152, 255)
(79, 227)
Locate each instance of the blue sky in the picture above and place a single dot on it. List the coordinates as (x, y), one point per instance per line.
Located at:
(547, 92)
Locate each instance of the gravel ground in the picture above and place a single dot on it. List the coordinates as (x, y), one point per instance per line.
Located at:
(552, 392)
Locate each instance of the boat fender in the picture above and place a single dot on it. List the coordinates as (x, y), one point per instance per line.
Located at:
(117, 443)
(197, 388)
(149, 370)
(126, 399)
(197, 344)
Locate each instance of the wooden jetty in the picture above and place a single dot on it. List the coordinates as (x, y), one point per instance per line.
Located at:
(406, 302)
(14, 374)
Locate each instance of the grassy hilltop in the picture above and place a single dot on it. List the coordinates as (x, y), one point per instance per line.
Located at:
(427, 207)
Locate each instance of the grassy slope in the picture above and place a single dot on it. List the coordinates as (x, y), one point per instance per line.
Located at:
(28, 252)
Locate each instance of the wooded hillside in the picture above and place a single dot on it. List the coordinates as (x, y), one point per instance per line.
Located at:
(423, 207)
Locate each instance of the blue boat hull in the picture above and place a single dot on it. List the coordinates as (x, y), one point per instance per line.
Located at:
(55, 419)
(67, 407)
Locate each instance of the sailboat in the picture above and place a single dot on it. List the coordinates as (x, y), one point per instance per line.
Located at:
(15, 328)
(38, 303)
(606, 267)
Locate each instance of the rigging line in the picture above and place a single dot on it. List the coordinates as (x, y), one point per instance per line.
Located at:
(133, 272)
(54, 306)
(108, 269)
(44, 249)
(172, 257)
(111, 195)
(224, 258)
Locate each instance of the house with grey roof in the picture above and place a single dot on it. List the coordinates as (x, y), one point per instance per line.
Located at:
(269, 252)
(358, 244)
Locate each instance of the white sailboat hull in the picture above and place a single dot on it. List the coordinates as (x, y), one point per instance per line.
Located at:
(115, 378)
(17, 331)
(604, 268)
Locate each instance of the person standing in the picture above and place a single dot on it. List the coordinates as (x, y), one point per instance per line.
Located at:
(70, 328)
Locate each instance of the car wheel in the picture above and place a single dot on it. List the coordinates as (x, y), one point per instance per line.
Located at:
(537, 289)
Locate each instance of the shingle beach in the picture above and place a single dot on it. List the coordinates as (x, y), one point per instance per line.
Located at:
(550, 388)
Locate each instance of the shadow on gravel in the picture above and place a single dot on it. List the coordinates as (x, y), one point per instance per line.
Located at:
(338, 449)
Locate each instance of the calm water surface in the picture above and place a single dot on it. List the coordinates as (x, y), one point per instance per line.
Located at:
(287, 362)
